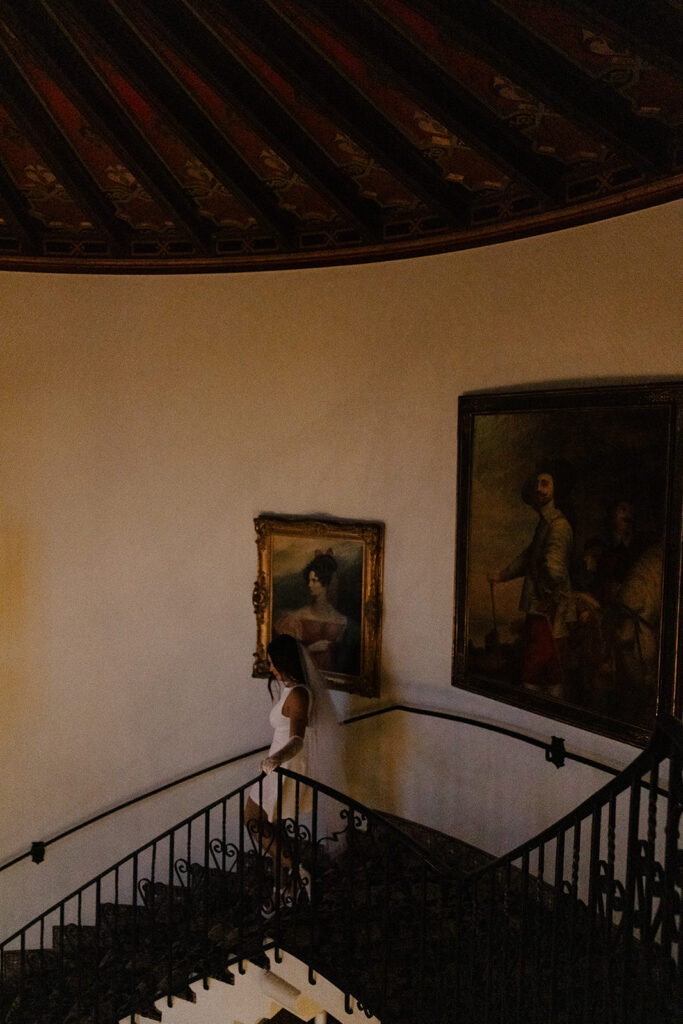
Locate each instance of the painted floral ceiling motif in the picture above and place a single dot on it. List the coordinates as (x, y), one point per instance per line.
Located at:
(218, 135)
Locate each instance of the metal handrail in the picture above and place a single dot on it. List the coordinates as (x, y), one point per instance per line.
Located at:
(184, 862)
(302, 780)
(583, 921)
(666, 726)
(37, 850)
(546, 933)
(554, 750)
(131, 856)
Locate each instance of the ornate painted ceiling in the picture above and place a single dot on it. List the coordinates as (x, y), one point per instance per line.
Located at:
(214, 135)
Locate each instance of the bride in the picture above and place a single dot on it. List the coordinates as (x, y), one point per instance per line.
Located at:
(306, 739)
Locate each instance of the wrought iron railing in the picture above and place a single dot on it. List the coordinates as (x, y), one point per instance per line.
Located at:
(580, 925)
(555, 753)
(204, 896)
(583, 923)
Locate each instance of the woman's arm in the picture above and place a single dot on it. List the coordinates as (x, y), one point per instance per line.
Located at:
(296, 709)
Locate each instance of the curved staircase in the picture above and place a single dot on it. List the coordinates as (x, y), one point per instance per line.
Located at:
(579, 925)
(355, 923)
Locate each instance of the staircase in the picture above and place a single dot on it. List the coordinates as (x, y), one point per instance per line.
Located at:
(356, 925)
(580, 925)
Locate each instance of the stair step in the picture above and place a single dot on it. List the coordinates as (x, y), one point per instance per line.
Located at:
(445, 851)
(31, 959)
(136, 955)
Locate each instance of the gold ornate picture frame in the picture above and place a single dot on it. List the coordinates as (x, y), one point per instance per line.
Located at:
(321, 581)
(572, 609)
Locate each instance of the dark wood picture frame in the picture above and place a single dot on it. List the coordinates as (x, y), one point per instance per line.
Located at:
(345, 561)
(572, 610)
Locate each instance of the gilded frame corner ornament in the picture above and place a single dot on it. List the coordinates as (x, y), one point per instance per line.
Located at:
(593, 642)
(320, 579)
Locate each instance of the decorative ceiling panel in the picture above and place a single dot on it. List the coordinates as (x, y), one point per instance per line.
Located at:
(652, 91)
(218, 135)
(109, 172)
(372, 180)
(548, 131)
(46, 198)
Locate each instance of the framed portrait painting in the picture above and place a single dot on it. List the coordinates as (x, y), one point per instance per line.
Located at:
(568, 553)
(320, 580)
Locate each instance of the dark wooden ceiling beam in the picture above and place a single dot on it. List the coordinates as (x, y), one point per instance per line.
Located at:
(337, 98)
(440, 95)
(183, 115)
(17, 209)
(205, 51)
(583, 100)
(44, 34)
(456, 217)
(652, 25)
(55, 149)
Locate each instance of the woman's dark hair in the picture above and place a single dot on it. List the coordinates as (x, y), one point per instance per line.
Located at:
(283, 651)
(324, 565)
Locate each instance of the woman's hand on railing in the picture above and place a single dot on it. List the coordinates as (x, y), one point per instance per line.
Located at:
(290, 750)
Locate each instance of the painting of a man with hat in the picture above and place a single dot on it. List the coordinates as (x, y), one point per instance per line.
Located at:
(547, 598)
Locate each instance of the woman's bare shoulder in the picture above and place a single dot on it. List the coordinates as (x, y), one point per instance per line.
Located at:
(296, 703)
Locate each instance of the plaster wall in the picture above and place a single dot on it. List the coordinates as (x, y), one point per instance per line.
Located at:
(145, 421)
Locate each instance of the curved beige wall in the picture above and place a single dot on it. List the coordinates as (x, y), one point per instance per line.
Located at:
(146, 421)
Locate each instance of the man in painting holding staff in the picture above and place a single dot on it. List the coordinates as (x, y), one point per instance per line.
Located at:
(547, 597)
